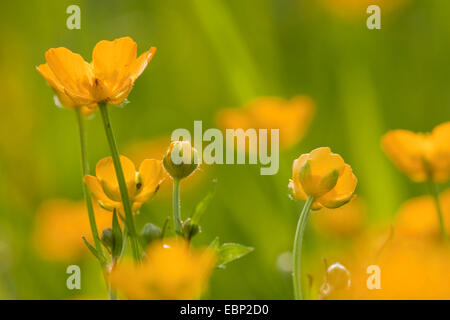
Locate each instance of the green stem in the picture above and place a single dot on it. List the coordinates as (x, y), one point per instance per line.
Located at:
(435, 193)
(124, 243)
(176, 205)
(297, 253)
(86, 192)
(121, 180)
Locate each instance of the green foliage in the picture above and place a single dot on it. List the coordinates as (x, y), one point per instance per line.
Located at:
(229, 252)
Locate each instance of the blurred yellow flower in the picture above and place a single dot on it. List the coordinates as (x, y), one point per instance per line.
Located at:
(60, 226)
(108, 78)
(141, 185)
(407, 270)
(421, 156)
(357, 8)
(324, 176)
(417, 217)
(291, 117)
(344, 221)
(171, 270)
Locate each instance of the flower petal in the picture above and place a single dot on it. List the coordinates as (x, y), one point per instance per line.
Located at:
(72, 72)
(441, 158)
(106, 173)
(111, 60)
(323, 161)
(96, 189)
(152, 174)
(342, 192)
(50, 77)
(406, 150)
(141, 63)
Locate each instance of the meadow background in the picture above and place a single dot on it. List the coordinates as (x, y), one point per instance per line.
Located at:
(211, 55)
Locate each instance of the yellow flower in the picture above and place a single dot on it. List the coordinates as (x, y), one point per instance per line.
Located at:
(108, 78)
(59, 226)
(292, 117)
(345, 221)
(417, 217)
(171, 270)
(141, 185)
(421, 156)
(324, 176)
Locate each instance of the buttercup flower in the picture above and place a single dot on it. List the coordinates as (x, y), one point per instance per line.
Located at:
(60, 224)
(421, 156)
(291, 117)
(141, 185)
(108, 78)
(171, 270)
(324, 176)
(417, 219)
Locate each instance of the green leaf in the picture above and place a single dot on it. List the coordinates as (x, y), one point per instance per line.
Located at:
(165, 226)
(201, 207)
(229, 252)
(93, 250)
(215, 244)
(117, 236)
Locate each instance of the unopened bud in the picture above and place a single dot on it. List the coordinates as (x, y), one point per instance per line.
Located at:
(150, 232)
(181, 159)
(189, 230)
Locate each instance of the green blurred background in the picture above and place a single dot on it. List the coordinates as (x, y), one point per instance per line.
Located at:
(214, 54)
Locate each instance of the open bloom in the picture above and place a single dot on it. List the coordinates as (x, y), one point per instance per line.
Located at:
(108, 78)
(291, 117)
(421, 156)
(171, 270)
(60, 224)
(141, 185)
(323, 175)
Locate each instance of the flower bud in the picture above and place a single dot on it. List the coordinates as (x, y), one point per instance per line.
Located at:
(324, 176)
(181, 159)
(189, 229)
(107, 238)
(150, 232)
